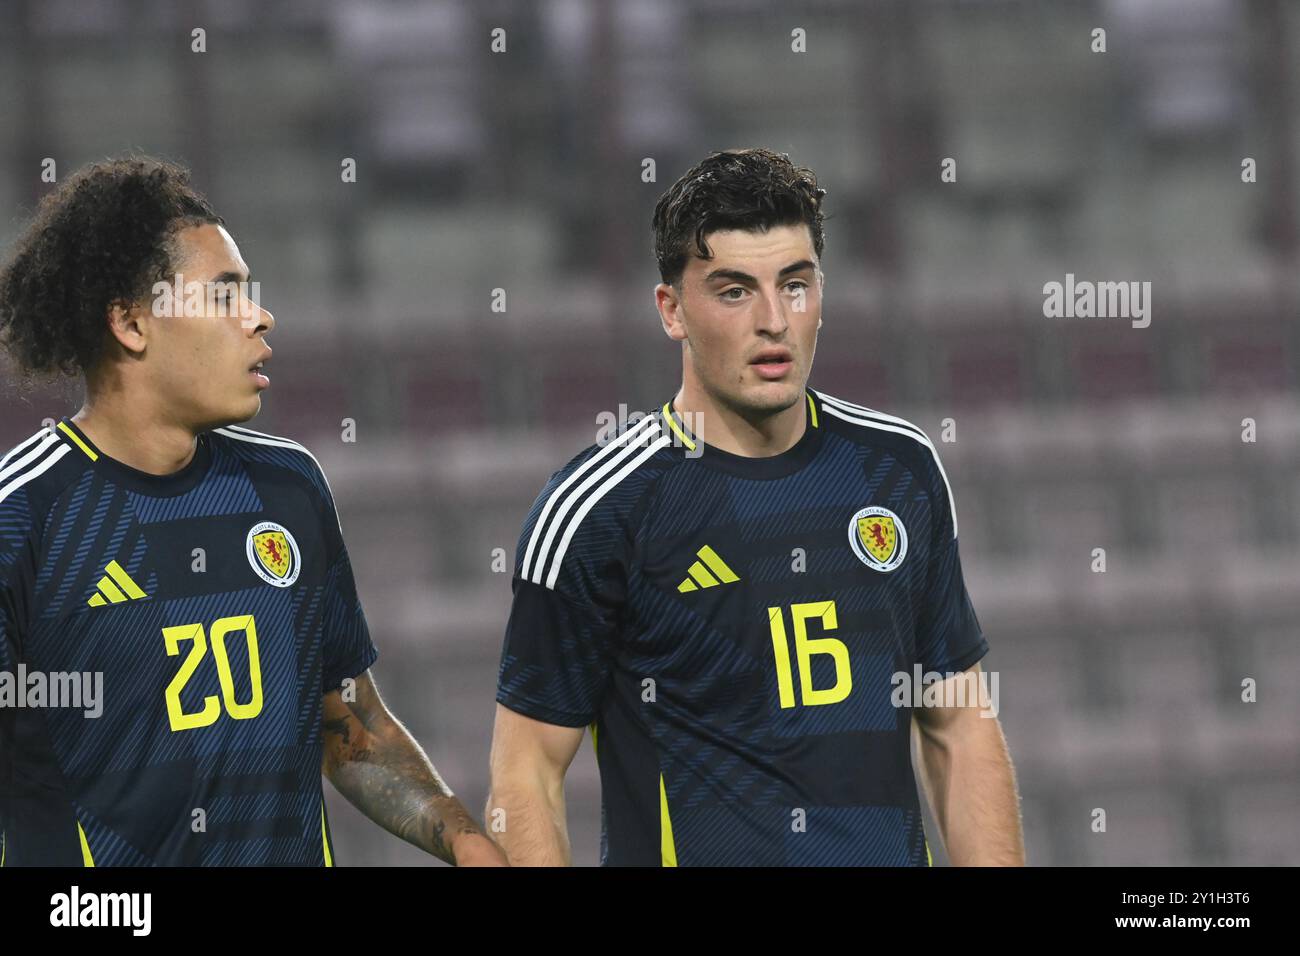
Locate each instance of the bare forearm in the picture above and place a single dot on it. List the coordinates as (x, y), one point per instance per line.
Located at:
(970, 782)
(534, 831)
(389, 779)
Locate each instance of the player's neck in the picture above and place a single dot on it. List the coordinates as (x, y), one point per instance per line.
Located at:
(134, 435)
(725, 429)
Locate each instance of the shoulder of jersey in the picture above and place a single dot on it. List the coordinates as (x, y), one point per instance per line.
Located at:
(866, 425)
(250, 445)
(36, 470)
(602, 480)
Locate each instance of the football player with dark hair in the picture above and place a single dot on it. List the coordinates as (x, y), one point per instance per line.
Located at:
(729, 607)
(196, 567)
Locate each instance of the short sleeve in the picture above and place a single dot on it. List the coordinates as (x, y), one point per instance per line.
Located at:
(569, 587)
(949, 638)
(347, 650)
(557, 656)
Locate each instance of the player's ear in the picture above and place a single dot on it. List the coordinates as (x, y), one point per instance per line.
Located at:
(126, 323)
(668, 302)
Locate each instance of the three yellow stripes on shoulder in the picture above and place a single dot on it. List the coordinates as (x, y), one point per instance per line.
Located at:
(708, 572)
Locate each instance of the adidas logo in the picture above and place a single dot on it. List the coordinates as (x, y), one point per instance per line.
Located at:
(699, 576)
(115, 587)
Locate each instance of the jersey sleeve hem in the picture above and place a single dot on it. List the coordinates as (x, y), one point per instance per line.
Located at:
(356, 668)
(548, 715)
(965, 660)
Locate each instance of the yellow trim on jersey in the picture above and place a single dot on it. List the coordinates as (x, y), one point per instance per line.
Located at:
(113, 585)
(698, 576)
(672, 423)
(667, 849)
(63, 427)
(110, 589)
(4, 847)
(86, 858)
(324, 836)
(124, 580)
(702, 575)
(717, 565)
(594, 749)
(812, 410)
(929, 860)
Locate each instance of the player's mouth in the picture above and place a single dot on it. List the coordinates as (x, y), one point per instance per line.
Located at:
(255, 371)
(772, 363)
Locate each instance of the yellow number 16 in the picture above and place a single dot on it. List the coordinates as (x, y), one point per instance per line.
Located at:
(806, 647)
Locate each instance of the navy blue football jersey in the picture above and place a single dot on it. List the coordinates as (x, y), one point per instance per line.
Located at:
(730, 628)
(165, 642)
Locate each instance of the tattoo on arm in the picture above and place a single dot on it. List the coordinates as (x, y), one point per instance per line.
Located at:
(374, 762)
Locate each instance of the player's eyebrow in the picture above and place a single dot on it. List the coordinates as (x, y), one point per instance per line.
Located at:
(232, 277)
(737, 275)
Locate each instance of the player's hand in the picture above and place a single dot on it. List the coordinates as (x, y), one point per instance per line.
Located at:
(474, 849)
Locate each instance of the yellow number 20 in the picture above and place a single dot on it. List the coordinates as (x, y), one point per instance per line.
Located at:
(173, 636)
(806, 647)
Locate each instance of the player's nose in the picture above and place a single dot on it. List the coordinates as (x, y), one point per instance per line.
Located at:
(770, 316)
(265, 320)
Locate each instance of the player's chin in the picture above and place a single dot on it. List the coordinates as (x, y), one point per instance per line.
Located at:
(773, 396)
(245, 410)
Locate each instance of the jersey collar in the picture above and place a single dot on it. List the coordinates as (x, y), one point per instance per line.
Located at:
(162, 486)
(773, 466)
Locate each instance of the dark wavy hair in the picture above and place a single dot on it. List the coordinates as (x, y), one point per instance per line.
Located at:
(104, 236)
(748, 189)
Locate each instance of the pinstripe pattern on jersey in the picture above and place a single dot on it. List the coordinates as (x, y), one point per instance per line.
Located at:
(861, 415)
(275, 441)
(64, 528)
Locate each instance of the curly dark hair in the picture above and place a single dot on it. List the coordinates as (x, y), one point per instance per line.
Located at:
(749, 189)
(104, 236)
